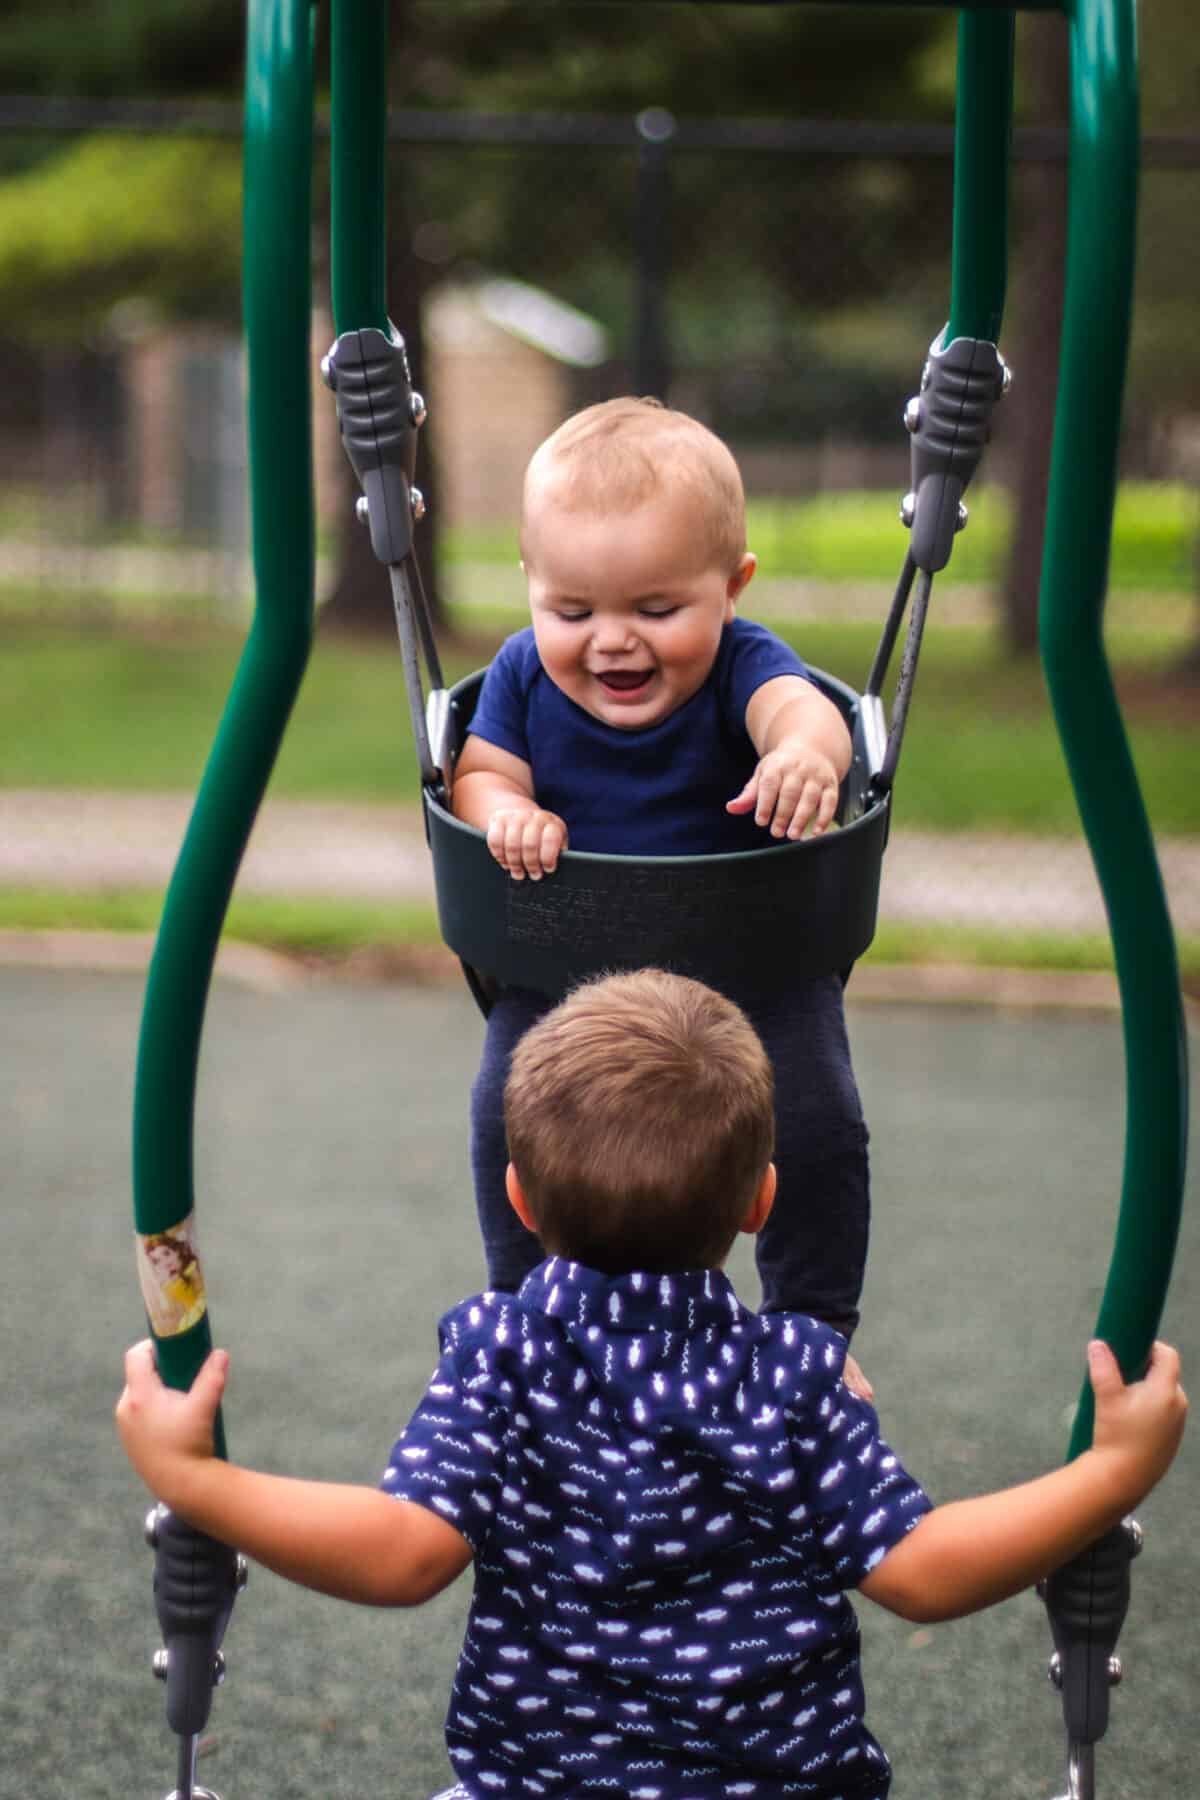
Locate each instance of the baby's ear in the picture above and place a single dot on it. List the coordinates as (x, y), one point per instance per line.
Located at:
(741, 577)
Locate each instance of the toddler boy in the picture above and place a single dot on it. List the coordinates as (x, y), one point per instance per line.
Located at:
(666, 1497)
(638, 715)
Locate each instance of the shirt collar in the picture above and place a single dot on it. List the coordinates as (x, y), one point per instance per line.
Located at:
(686, 1301)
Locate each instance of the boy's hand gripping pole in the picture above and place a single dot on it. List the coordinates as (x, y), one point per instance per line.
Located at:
(195, 1583)
(379, 415)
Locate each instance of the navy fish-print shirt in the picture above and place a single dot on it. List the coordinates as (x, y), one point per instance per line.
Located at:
(667, 1497)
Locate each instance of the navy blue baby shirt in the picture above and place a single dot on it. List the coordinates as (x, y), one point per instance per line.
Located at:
(657, 791)
(667, 1497)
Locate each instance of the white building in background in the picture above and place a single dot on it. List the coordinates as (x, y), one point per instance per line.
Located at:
(502, 358)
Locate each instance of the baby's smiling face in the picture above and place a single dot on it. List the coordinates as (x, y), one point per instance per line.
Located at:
(627, 608)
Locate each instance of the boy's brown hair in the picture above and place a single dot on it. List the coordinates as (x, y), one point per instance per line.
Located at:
(622, 453)
(640, 1117)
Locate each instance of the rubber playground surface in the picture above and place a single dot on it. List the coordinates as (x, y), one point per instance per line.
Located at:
(336, 1223)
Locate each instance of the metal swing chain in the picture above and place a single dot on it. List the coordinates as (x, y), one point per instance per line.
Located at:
(886, 773)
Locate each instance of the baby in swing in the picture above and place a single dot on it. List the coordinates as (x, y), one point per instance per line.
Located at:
(667, 1498)
(639, 715)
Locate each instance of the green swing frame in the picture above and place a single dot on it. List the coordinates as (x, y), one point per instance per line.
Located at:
(1098, 301)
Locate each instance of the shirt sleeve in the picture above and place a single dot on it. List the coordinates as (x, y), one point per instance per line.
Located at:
(861, 1499)
(447, 1457)
(753, 655)
(501, 712)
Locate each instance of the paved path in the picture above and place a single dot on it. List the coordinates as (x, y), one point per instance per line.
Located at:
(79, 840)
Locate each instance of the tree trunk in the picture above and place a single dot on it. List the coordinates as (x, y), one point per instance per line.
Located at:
(1039, 326)
(360, 601)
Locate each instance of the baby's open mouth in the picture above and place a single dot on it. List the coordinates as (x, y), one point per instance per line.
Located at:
(625, 681)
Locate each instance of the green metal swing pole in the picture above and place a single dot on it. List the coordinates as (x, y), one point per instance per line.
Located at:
(276, 281)
(358, 65)
(982, 137)
(1098, 303)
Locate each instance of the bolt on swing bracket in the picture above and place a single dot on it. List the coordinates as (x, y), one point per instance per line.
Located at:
(379, 412)
(950, 424)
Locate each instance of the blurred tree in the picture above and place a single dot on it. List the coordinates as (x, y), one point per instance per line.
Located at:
(106, 48)
(91, 225)
(1166, 356)
(701, 61)
(1164, 374)
(93, 221)
(791, 228)
(103, 221)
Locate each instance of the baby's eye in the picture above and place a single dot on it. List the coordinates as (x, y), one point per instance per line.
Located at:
(573, 615)
(658, 612)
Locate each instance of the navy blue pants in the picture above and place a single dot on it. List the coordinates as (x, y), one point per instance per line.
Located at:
(812, 1251)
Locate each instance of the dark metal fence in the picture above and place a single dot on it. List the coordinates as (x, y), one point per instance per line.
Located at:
(781, 279)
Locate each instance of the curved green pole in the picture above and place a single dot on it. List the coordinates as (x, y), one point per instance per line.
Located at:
(358, 55)
(1099, 285)
(278, 158)
(982, 136)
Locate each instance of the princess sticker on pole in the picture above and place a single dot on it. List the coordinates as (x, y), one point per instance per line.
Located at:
(172, 1281)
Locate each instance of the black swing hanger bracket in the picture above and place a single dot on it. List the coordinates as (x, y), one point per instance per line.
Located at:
(379, 414)
(1086, 1601)
(196, 1581)
(949, 422)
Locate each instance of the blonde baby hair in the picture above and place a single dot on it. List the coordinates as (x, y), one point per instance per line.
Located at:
(617, 456)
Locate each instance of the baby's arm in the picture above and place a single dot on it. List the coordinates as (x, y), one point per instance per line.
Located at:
(493, 789)
(355, 1543)
(971, 1553)
(804, 751)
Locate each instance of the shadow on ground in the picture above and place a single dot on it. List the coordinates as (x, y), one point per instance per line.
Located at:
(336, 1223)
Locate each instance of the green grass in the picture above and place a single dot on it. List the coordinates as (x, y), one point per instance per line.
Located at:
(981, 752)
(993, 948)
(857, 536)
(304, 927)
(334, 930)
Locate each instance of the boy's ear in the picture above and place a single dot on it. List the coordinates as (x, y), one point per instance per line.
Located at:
(759, 1210)
(517, 1200)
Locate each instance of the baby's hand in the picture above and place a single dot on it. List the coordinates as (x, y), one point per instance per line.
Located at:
(526, 841)
(1140, 1422)
(791, 786)
(162, 1429)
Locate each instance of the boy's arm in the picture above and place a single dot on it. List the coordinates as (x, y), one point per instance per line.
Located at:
(971, 1553)
(804, 751)
(352, 1542)
(493, 790)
